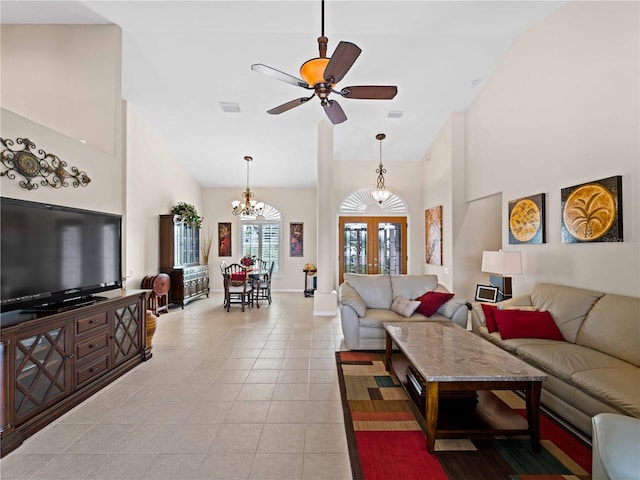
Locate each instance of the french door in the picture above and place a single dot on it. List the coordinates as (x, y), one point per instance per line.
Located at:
(373, 245)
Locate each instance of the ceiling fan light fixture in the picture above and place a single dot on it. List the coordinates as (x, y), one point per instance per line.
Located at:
(312, 71)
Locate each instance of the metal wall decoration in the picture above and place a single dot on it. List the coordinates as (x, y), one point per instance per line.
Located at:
(296, 239)
(31, 166)
(527, 220)
(592, 212)
(433, 235)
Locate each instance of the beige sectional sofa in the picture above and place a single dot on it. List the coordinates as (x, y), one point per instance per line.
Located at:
(365, 302)
(596, 369)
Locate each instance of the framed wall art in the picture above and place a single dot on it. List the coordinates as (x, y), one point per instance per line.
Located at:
(296, 239)
(592, 212)
(224, 239)
(433, 235)
(527, 222)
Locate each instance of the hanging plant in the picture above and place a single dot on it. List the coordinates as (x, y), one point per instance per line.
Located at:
(188, 213)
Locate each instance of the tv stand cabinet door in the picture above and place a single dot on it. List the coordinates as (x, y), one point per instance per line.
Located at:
(42, 368)
(128, 325)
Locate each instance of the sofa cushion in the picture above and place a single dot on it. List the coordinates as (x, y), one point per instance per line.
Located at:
(403, 306)
(612, 326)
(430, 302)
(412, 286)
(450, 307)
(349, 296)
(568, 306)
(526, 324)
(564, 359)
(489, 317)
(375, 290)
(619, 387)
(376, 316)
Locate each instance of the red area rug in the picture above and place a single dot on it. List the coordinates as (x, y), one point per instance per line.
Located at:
(386, 437)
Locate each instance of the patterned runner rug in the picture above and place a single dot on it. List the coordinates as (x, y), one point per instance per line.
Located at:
(386, 436)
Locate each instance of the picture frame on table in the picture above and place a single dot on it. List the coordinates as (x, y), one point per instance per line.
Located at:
(486, 293)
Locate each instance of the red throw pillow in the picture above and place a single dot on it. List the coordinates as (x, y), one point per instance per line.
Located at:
(524, 324)
(430, 302)
(239, 276)
(490, 319)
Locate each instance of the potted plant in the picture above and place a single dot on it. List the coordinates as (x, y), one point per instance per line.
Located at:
(188, 213)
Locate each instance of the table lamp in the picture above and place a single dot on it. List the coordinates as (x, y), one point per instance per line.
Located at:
(500, 265)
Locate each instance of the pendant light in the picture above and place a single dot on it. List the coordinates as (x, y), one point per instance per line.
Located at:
(247, 207)
(380, 194)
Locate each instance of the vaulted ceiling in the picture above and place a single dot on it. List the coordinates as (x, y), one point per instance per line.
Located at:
(183, 59)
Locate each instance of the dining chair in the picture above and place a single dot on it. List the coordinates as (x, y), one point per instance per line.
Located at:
(238, 288)
(264, 286)
(223, 266)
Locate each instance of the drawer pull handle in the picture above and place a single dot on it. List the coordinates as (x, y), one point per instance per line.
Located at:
(94, 321)
(93, 345)
(93, 370)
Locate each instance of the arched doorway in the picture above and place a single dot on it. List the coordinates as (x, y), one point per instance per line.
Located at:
(373, 237)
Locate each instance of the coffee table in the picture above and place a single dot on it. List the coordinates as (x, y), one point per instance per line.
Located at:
(452, 360)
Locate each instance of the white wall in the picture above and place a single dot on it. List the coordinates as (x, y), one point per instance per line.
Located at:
(67, 78)
(80, 98)
(294, 204)
(104, 191)
(155, 182)
(60, 85)
(562, 109)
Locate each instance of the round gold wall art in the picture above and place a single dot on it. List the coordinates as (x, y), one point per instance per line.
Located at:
(525, 220)
(589, 212)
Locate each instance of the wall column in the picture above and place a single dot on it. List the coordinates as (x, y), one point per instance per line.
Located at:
(325, 299)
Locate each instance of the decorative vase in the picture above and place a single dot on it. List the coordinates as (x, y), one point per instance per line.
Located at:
(151, 328)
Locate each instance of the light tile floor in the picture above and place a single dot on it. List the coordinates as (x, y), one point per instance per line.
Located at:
(227, 395)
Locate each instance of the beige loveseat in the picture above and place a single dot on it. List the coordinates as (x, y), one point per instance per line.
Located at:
(365, 302)
(596, 369)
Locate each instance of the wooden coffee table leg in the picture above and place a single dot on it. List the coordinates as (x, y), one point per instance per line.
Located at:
(431, 414)
(533, 413)
(387, 352)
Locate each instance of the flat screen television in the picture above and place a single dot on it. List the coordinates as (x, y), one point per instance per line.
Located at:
(53, 257)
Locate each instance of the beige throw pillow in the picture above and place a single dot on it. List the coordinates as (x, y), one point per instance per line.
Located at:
(403, 306)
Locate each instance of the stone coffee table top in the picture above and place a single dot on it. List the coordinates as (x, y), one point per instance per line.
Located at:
(446, 352)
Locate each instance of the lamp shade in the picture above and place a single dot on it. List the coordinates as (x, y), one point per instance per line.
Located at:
(502, 263)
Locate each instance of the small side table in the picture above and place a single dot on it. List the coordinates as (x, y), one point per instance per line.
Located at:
(308, 292)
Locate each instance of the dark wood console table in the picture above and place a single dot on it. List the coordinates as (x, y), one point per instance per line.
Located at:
(51, 362)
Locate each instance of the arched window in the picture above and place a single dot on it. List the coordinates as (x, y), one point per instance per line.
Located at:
(360, 202)
(260, 236)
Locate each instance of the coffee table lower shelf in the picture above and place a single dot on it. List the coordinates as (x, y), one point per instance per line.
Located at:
(464, 409)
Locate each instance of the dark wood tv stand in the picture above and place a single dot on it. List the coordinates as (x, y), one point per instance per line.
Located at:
(53, 362)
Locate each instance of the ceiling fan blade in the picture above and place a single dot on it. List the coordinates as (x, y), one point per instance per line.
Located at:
(334, 112)
(289, 105)
(341, 61)
(277, 74)
(370, 92)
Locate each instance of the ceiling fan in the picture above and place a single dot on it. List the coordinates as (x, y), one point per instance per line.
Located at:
(322, 74)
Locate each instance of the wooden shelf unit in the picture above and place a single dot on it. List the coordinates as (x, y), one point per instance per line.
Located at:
(180, 259)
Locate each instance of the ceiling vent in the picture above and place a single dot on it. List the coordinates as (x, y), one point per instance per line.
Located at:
(230, 107)
(395, 114)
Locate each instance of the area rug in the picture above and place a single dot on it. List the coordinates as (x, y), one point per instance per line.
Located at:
(386, 436)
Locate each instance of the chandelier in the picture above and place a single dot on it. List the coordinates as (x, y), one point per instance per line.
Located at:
(247, 207)
(380, 194)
